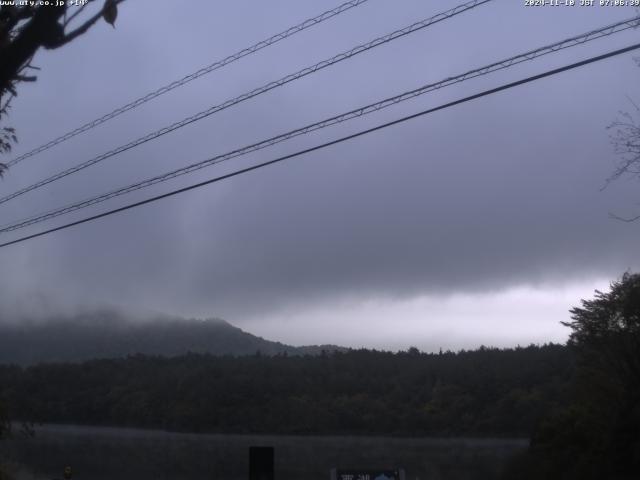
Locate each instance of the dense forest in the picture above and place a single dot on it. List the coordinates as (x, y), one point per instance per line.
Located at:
(579, 404)
(482, 392)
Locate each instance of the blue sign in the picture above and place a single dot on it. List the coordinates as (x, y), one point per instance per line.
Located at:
(358, 474)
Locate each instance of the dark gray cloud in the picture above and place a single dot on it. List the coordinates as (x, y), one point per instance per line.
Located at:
(484, 197)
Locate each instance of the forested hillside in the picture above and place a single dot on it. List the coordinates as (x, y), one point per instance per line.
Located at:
(110, 333)
(482, 392)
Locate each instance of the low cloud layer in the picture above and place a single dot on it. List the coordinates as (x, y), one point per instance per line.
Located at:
(481, 199)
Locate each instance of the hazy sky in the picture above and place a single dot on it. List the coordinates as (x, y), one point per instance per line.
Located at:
(480, 224)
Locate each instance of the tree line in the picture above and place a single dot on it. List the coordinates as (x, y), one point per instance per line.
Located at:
(578, 403)
(482, 392)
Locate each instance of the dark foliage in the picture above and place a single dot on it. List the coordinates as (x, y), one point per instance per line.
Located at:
(598, 434)
(26, 27)
(482, 392)
(4, 421)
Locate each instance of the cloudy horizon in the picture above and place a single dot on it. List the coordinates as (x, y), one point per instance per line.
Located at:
(480, 224)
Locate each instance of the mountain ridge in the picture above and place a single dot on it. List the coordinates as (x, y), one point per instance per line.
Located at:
(110, 333)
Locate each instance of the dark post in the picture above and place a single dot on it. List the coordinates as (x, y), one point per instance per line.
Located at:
(261, 463)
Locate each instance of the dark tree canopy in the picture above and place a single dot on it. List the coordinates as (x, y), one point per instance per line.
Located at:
(606, 332)
(609, 316)
(598, 434)
(24, 29)
(485, 392)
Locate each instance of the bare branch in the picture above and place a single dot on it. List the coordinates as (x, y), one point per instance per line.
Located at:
(26, 78)
(625, 138)
(13, 15)
(624, 219)
(78, 12)
(82, 28)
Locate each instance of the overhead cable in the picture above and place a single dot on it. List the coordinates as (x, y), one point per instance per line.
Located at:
(253, 93)
(192, 76)
(333, 142)
(365, 110)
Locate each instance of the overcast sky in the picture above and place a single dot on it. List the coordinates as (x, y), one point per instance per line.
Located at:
(480, 224)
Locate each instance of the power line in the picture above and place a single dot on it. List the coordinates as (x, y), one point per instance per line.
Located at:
(192, 76)
(496, 66)
(333, 142)
(253, 93)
